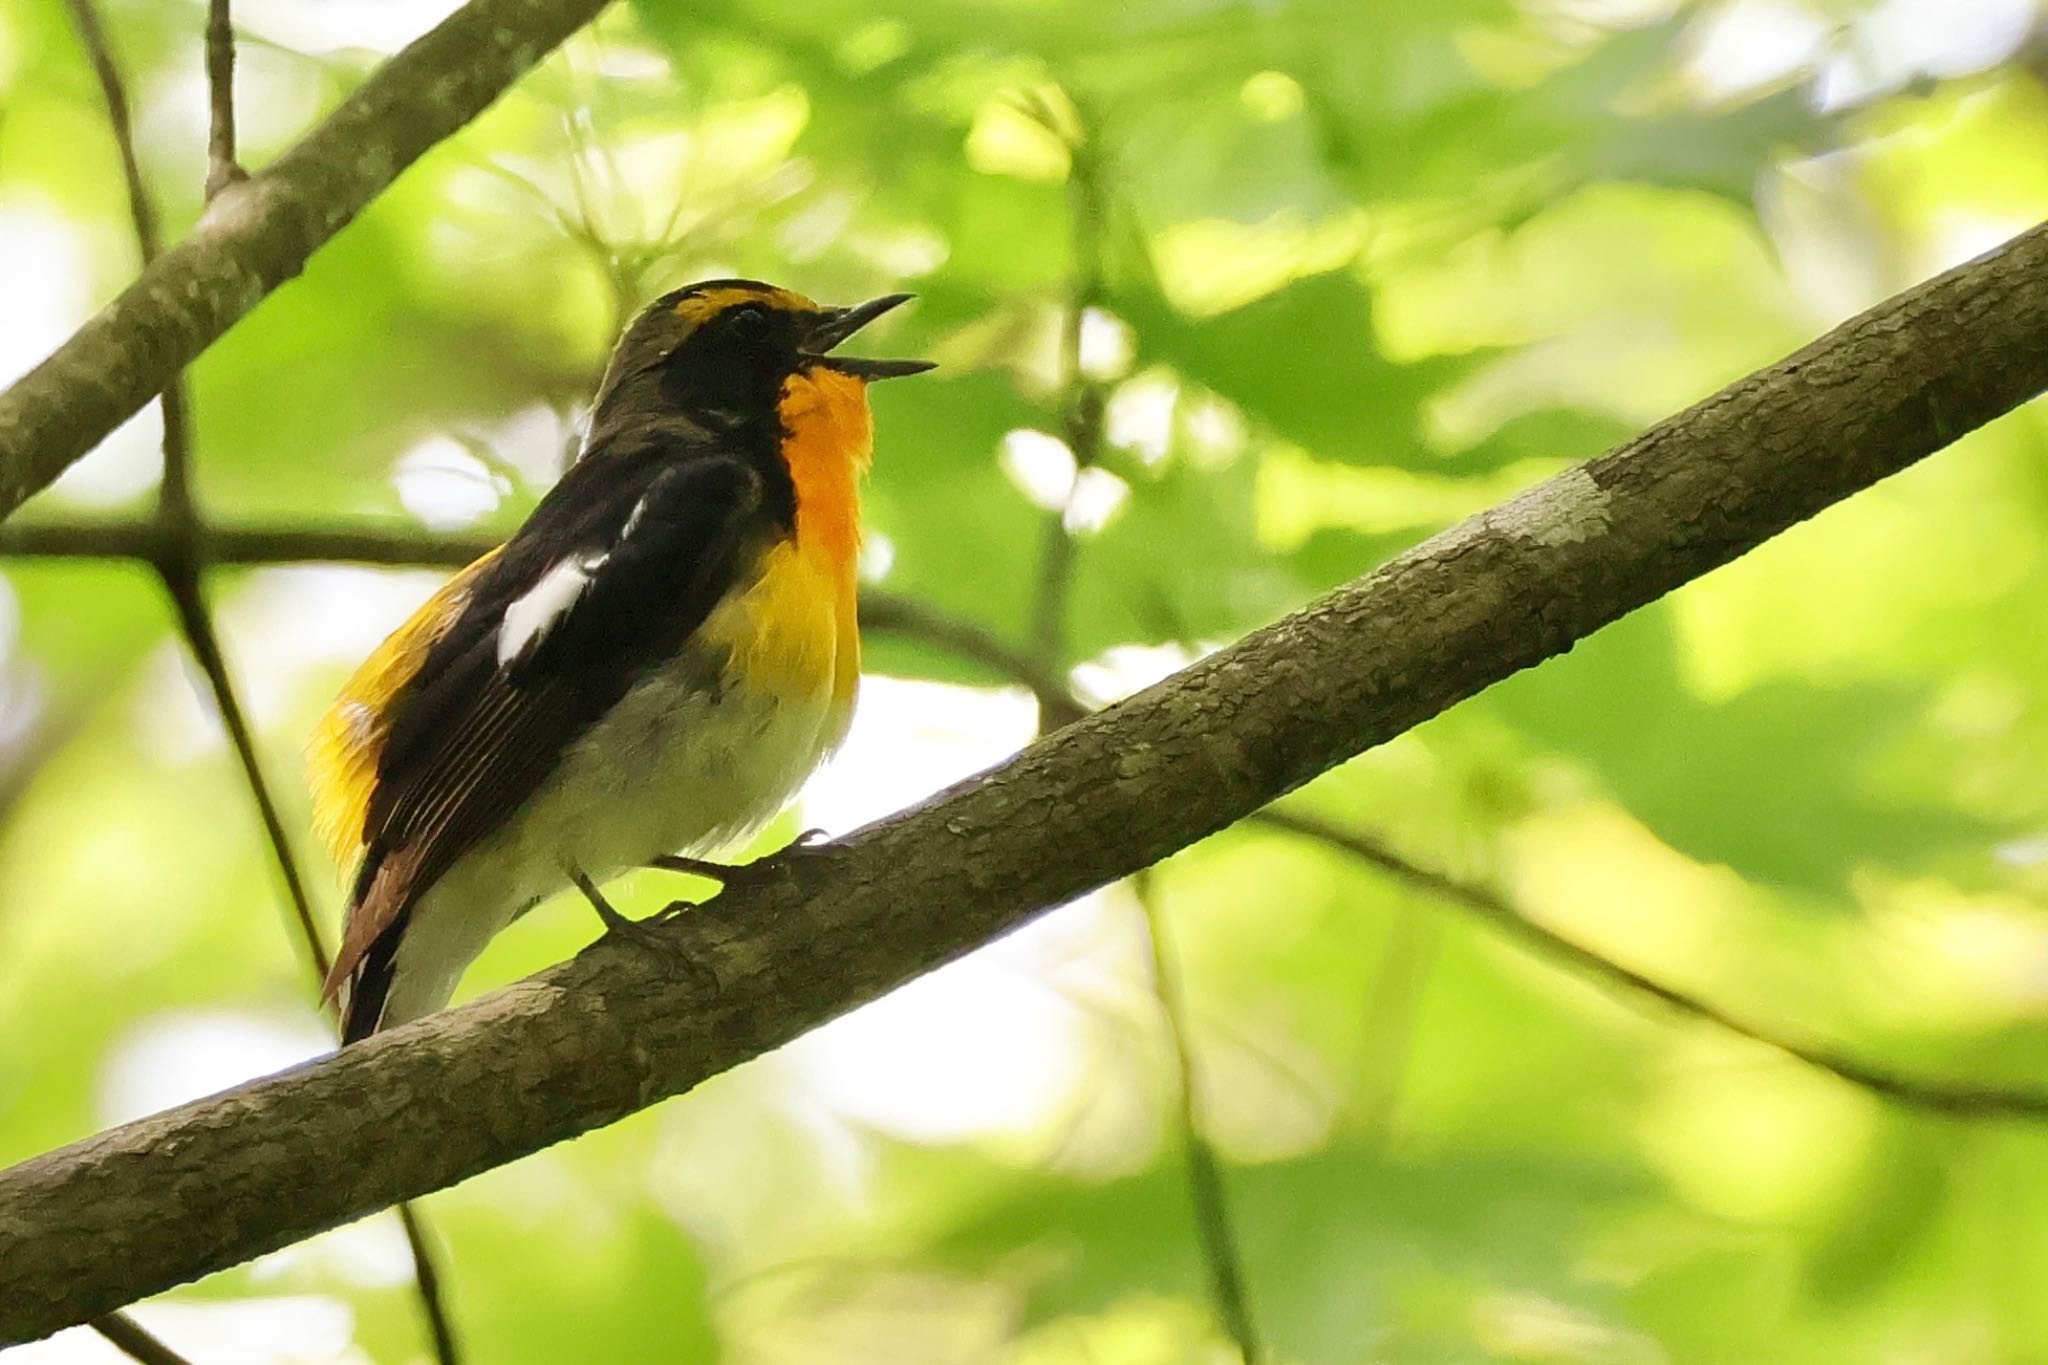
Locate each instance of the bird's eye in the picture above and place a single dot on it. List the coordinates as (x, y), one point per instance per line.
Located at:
(748, 322)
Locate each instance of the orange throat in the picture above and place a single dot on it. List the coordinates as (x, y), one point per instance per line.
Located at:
(829, 441)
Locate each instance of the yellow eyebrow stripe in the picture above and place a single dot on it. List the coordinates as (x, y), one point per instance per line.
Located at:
(706, 304)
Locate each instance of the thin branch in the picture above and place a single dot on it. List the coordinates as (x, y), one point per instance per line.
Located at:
(135, 1341)
(896, 614)
(175, 533)
(402, 546)
(1083, 402)
(258, 234)
(118, 1328)
(397, 545)
(138, 1208)
(1939, 1096)
(174, 530)
(427, 1274)
(175, 514)
(197, 626)
(182, 583)
(177, 518)
(99, 51)
(1951, 1098)
(1213, 1223)
(222, 170)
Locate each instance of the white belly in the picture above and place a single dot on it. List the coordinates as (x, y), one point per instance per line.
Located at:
(678, 766)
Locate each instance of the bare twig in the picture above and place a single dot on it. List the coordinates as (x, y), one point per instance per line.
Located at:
(401, 546)
(1957, 1099)
(1934, 1095)
(1213, 1223)
(395, 546)
(896, 614)
(119, 1329)
(173, 552)
(174, 539)
(176, 517)
(99, 51)
(196, 623)
(426, 1271)
(222, 170)
(135, 1341)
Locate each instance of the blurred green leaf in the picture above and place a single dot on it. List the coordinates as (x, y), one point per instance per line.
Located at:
(1305, 364)
(1713, 778)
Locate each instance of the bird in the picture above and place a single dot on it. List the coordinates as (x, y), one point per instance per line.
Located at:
(646, 670)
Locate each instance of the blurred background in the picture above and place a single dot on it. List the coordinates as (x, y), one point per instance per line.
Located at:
(1233, 300)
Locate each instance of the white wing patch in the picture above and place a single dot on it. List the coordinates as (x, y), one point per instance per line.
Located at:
(633, 517)
(541, 607)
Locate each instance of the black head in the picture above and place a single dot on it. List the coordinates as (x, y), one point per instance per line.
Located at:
(720, 350)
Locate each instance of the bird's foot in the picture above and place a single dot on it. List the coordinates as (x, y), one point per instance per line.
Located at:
(775, 866)
(647, 933)
(614, 922)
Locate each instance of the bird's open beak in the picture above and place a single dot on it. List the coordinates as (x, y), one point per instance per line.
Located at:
(835, 325)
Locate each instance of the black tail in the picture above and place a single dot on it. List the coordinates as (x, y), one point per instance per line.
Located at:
(369, 986)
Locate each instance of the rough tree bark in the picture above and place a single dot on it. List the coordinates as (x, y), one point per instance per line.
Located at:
(257, 233)
(156, 1202)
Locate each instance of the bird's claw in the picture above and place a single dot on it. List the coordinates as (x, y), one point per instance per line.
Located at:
(774, 867)
(649, 931)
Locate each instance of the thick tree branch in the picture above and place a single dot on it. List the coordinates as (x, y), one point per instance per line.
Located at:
(153, 1203)
(906, 616)
(891, 612)
(258, 233)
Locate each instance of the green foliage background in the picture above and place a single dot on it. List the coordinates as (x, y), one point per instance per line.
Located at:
(1360, 269)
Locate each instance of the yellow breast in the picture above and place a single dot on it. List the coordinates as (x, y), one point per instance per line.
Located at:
(799, 629)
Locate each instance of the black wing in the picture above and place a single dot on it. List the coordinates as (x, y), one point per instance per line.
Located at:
(622, 560)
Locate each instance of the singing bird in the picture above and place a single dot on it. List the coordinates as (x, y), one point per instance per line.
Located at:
(650, 666)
